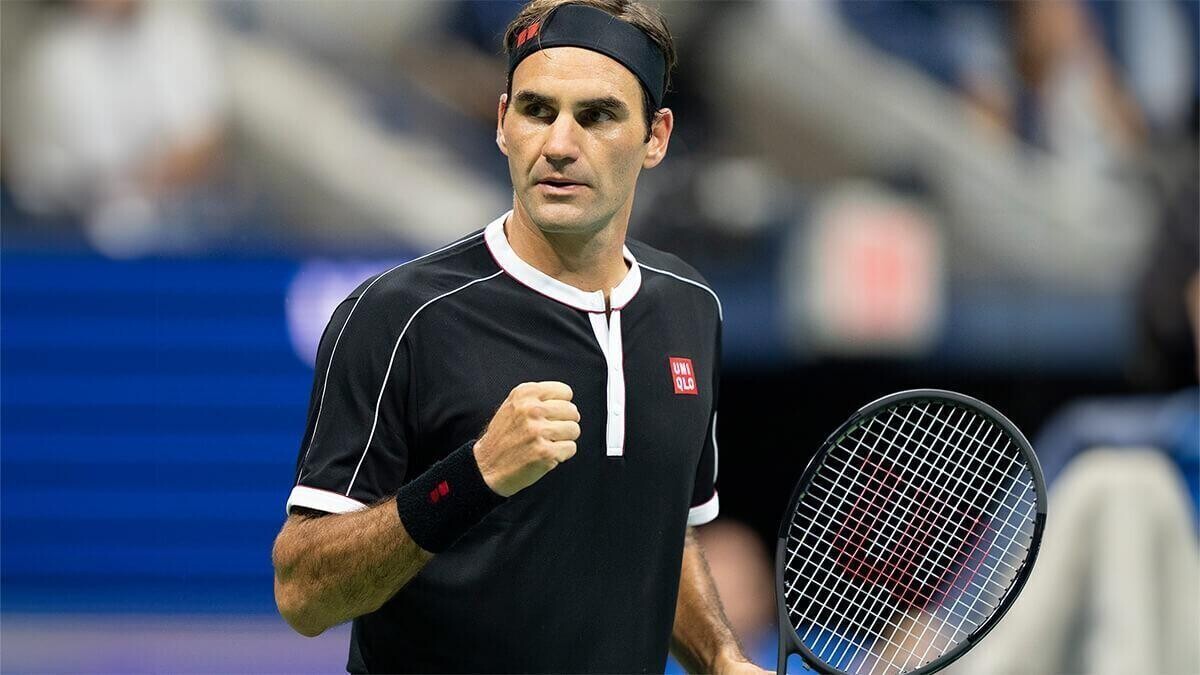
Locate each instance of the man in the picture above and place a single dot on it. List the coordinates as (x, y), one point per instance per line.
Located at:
(556, 541)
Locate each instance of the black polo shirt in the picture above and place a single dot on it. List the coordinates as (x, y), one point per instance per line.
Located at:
(580, 571)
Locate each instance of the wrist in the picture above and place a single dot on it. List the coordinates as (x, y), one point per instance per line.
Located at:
(484, 469)
(446, 501)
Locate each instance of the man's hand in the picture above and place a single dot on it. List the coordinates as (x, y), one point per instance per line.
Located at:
(534, 431)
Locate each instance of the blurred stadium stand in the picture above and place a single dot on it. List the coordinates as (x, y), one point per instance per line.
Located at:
(881, 205)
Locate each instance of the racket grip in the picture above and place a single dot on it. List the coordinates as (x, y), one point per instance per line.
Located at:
(785, 644)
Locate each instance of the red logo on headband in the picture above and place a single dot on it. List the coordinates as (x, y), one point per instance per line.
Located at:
(524, 35)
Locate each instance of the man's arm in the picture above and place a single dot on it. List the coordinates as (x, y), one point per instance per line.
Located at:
(332, 568)
(701, 639)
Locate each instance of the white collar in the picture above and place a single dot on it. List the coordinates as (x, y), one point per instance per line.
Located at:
(543, 283)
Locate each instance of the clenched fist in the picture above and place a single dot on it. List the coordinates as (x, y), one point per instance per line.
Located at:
(533, 431)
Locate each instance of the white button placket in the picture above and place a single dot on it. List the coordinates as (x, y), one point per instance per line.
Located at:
(607, 328)
(608, 336)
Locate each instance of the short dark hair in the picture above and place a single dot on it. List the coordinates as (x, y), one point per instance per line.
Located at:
(647, 19)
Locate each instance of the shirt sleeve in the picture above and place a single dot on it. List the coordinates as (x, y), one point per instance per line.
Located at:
(705, 505)
(355, 447)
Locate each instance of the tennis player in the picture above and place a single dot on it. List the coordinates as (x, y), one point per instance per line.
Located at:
(510, 438)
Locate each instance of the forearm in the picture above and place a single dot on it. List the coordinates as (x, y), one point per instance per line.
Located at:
(333, 568)
(701, 639)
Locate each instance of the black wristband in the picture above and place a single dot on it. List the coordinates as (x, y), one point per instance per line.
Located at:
(440, 505)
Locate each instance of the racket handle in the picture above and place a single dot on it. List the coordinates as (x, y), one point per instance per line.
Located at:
(785, 626)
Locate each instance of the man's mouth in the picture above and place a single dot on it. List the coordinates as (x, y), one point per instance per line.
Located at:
(560, 186)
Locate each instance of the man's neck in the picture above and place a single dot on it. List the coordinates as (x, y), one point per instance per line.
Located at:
(590, 262)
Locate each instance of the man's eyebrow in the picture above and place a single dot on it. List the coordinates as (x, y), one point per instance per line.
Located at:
(532, 98)
(610, 102)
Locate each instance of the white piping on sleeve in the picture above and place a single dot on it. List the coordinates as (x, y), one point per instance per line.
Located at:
(699, 515)
(338, 339)
(720, 311)
(388, 372)
(716, 450)
(321, 500)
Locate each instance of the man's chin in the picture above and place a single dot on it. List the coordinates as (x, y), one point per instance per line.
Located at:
(562, 218)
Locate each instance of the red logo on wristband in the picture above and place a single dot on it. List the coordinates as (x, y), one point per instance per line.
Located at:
(442, 489)
(683, 376)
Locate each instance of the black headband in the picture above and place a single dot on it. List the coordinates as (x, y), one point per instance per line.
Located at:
(574, 25)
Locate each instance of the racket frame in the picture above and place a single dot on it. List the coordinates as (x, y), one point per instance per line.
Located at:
(789, 642)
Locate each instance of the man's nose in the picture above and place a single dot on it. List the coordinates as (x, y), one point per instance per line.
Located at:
(562, 146)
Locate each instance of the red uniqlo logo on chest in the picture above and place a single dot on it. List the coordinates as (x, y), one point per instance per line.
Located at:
(683, 376)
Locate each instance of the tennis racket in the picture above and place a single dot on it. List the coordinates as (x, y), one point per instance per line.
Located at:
(910, 534)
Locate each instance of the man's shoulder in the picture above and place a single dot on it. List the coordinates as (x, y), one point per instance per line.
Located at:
(660, 261)
(407, 286)
(672, 268)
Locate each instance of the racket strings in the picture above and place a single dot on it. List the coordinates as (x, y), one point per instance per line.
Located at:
(861, 610)
(858, 525)
(893, 577)
(869, 611)
(911, 538)
(918, 513)
(908, 538)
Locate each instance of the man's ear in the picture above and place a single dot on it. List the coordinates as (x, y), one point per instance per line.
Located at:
(660, 137)
(500, 110)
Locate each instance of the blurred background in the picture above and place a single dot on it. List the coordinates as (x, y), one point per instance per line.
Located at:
(999, 199)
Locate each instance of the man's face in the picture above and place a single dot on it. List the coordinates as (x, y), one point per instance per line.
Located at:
(574, 133)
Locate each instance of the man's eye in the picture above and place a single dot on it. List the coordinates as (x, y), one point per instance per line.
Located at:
(596, 115)
(537, 110)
